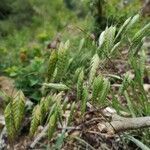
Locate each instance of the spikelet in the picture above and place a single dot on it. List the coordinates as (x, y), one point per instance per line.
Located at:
(47, 103)
(106, 40)
(52, 65)
(80, 85)
(55, 104)
(84, 100)
(104, 92)
(63, 60)
(42, 108)
(94, 66)
(9, 121)
(133, 21)
(59, 107)
(123, 27)
(36, 118)
(145, 31)
(52, 124)
(97, 87)
(57, 97)
(18, 106)
(110, 37)
(52, 109)
(101, 39)
(57, 86)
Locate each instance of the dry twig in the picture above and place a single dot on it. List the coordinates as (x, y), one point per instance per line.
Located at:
(119, 123)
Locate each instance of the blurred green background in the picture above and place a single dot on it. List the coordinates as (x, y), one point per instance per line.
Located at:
(26, 28)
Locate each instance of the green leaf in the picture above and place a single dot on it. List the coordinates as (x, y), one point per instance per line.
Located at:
(126, 82)
(138, 143)
(129, 103)
(33, 82)
(60, 141)
(71, 113)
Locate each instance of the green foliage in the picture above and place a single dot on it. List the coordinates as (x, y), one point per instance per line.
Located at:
(125, 83)
(80, 85)
(30, 77)
(125, 9)
(13, 71)
(130, 104)
(80, 7)
(84, 100)
(14, 13)
(139, 67)
(76, 75)
(60, 141)
(98, 13)
(72, 110)
(138, 143)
